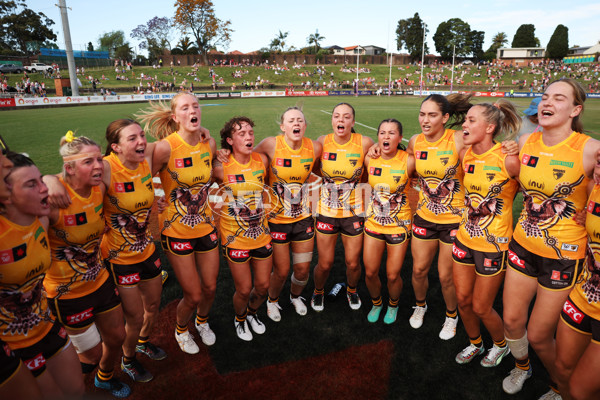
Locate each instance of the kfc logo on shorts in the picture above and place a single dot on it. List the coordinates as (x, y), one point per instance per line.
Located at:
(268, 246)
(80, 317)
(213, 237)
(62, 332)
(453, 232)
(36, 362)
(8, 351)
(419, 231)
(181, 246)
(357, 225)
(238, 253)
(458, 252)
(575, 315)
(515, 259)
(309, 229)
(129, 279)
(560, 276)
(488, 262)
(278, 235)
(157, 263)
(324, 226)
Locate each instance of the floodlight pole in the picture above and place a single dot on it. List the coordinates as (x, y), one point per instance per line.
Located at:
(390, 78)
(422, 61)
(357, 55)
(69, 47)
(452, 79)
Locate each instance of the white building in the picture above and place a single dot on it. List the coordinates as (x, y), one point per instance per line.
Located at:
(520, 55)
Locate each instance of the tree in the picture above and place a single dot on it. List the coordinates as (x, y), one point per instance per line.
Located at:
(315, 38)
(22, 30)
(185, 46)
(90, 47)
(155, 36)
(499, 40)
(525, 36)
(198, 17)
(558, 46)
(453, 33)
(476, 39)
(278, 44)
(409, 35)
(114, 42)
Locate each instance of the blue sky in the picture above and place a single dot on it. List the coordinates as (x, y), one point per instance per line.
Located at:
(346, 23)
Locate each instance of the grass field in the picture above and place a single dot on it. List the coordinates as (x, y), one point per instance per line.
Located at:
(330, 355)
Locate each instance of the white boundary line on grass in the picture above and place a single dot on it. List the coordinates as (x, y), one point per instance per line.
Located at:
(358, 123)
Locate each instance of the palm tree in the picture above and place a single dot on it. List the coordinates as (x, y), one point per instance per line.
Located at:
(315, 38)
(499, 40)
(282, 37)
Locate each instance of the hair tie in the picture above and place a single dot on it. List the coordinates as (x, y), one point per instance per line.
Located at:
(496, 105)
(69, 137)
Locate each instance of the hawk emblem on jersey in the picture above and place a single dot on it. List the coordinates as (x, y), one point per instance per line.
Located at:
(336, 191)
(385, 212)
(292, 198)
(250, 221)
(83, 260)
(542, 212)
(480, 217)
(591, 287)
(439, 193)
(22, 305)
(190, 206)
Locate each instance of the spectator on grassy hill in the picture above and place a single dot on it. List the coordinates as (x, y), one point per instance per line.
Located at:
(480, 248)
(189, 237)
(548, 245)
(340, 208)
(529, 122)
(245, 237)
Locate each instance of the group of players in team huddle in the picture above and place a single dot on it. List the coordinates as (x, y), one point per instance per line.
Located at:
(72, 269)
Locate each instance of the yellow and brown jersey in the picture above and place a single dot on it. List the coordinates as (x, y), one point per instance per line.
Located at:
(243, 220)
(24, 259)
(554, 188)
(127, 204)
(489, 192)
(342, 168)
(441, 199)
(186, 180)
(288, 177)
(586, 293)
(389, 211)
(76, 268)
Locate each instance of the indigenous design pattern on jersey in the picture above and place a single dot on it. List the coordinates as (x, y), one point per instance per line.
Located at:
(24, 260)
(76, 268)
(127, 211)
(554, 188)
(389, 211)
(489, 193)
(342, 168)
(590, 280)
(243, 219)
(186, 179)
(288, 175)
(441, 198)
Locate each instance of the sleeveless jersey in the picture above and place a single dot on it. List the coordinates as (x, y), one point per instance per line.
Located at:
(288, 177)
(127, 207)
(389, 211)
(24, 259)
(489, 192)
(243, 218)
(554, 188)
(441, 199)
(341, 167)
(186, 180)
(76, 268)
(586, 294)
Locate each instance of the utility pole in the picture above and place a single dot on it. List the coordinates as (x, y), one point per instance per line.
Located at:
(69, 47)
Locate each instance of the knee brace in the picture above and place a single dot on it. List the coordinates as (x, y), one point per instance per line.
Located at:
(86, 340)
(298, 282)
(519, 347)
(299, 258)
